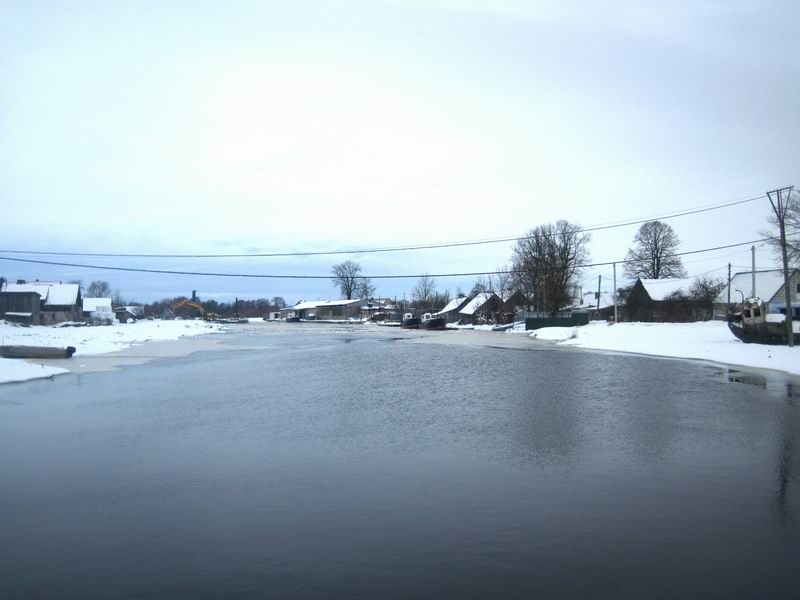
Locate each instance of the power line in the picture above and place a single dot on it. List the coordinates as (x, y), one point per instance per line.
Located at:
(386, 249)
(415, 276)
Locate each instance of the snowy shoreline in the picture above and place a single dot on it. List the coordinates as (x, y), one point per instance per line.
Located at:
(89, 342)
(709, 341)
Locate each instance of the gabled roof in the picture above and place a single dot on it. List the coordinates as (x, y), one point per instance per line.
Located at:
(768, 283)
(97, 304)
(338, 302)
(659, 289)
(477, 302)
(454, 304)
(53, 294)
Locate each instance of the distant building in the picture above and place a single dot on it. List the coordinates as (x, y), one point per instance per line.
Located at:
(98, 310)
(769, 287)
(303, 309)
(57, 302)
(128, 313)
(339, 310)
(514, 301)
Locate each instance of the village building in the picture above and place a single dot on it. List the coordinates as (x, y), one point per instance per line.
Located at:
(486, 307)
(339, 310)
(451, 309)
(660, 300)
(377, 310)
(514, 301)
(98, 310)
(304, 310)
(125, 314)
(57, 302)
(768, 287)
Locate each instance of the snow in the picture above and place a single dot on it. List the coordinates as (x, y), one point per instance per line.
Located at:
(768, 283)
(554, 334)
(452, 305)
(710, 340)
(89, 341)
(474, 304)
(658, 289)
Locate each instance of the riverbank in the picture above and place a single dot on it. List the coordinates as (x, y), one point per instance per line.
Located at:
(91, 343)
(709, 340)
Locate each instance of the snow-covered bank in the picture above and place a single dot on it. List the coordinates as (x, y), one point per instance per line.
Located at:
(88, 341)
(709, 340)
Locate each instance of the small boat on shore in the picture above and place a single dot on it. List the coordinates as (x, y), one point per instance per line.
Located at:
(410, 321)
(430, 322)
(36, 352)
(753, 325)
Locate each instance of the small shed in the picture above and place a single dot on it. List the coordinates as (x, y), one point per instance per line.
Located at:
(167, 315)
(130, 312)
(98, 310)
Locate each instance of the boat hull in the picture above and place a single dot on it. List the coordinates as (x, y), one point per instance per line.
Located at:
(412, 323)
(766, 333)
(36, 352)
(434, 323)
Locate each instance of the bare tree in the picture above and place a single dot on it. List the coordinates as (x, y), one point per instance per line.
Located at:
(546, 261)
(278, 302)
(653, 256)
(502, 280)
(364, 288)
(346, 276)
(482, 284)
(98, 289)
(703, 292)
(792, 225)
(424, 291)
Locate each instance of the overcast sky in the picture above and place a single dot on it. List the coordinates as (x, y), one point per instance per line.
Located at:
(300, 126)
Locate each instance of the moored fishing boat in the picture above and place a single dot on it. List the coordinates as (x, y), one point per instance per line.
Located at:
(410, 321)
(430, 321)
(753, 325)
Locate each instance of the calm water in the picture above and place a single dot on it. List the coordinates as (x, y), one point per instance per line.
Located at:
(325, 466)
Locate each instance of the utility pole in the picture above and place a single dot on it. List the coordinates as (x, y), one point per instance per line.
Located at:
(729, 287)
(616, 315)
(599, 279)
(779, 206)
(753, 262)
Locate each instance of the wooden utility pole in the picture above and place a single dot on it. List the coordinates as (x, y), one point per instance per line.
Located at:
(729, 287)
(753, 269)
(599, 279)
(779, 206)
(616, 315)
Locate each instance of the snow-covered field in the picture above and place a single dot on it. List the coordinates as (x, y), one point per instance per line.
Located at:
(709, 340)
(88, 341)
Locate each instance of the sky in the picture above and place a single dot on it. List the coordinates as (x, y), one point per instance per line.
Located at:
(254, 127)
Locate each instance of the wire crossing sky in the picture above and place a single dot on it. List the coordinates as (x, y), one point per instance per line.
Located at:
(309, 129)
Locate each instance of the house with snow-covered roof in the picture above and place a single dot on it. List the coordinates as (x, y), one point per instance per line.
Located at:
(486, 307)
(659, 300)
(767, 285)
(98, 310)
(57, 302)
(450, 310)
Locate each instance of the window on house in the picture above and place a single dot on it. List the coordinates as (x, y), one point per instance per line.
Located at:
(797, 288)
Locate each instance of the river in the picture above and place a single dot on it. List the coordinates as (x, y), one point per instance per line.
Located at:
(362, 466)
